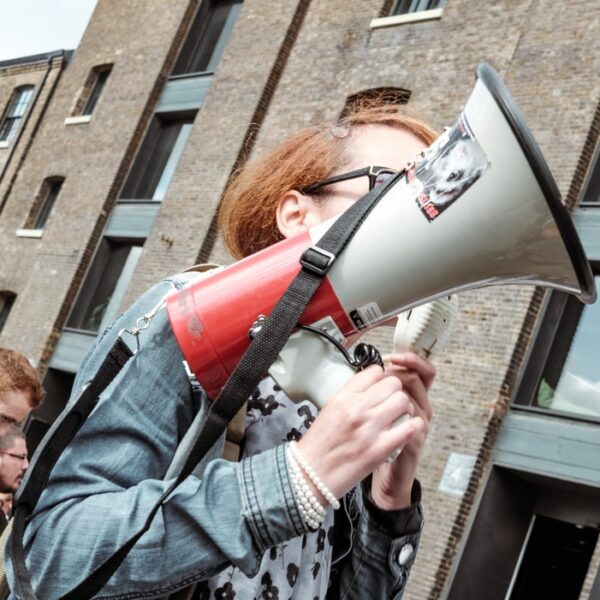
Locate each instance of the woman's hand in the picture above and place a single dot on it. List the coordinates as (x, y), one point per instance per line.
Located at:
(353, 434)
(392, 482)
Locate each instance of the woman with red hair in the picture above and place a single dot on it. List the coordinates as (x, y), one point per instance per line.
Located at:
(312, 509)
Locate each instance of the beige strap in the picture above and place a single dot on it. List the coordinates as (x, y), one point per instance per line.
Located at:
(201, 268)
(4, 589)
(235, 434)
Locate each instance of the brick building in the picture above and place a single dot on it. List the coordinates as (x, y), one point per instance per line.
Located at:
(113, 161)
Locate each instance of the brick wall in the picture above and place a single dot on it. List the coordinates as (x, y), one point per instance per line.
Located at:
(140, 39)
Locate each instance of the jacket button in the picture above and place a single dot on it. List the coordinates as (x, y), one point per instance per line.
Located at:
(405, 554)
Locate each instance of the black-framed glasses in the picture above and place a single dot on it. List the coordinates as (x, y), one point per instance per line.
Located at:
(376, 175)
(19, 456)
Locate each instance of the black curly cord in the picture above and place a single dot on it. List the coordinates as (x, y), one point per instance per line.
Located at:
(364, 354)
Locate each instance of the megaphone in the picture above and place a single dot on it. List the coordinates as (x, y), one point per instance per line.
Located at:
(481, 208)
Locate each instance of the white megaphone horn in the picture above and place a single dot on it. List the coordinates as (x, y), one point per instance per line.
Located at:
(480, 209)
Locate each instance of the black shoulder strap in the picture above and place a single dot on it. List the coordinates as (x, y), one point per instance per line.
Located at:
(262, 352)
(60, 434)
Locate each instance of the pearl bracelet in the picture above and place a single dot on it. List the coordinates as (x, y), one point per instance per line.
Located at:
(309, 471)
(311, 510)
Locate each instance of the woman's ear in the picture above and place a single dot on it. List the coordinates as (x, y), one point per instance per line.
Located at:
(292, 212)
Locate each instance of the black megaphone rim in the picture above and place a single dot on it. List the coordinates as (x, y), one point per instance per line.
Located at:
(534, 156)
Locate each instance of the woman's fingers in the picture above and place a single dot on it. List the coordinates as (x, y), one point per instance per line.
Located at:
(393, 408)
(361, 425)
(363, 380)
(413, 362)
(415, 387)
(400, 435)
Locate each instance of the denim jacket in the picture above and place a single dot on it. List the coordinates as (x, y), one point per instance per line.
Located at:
(227, 513)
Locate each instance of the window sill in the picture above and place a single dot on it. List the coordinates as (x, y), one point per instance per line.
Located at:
(80, 120)
(555, 414)
(4, 144)
(415, 17)
(30, 233)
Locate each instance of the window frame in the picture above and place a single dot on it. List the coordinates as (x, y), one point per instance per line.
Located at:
(406, 6)
(14, 120)
(90, 284)
(96, 85)
(146, 179)
(560, 315)
(200, 30)
(42, 209)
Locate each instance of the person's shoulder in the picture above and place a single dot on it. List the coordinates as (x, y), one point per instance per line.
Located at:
(182, 278)
(176, 281)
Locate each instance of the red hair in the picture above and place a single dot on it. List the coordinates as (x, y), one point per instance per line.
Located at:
(247, 216)
(16, 374)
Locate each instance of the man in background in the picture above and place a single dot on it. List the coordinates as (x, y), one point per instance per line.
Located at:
(20, 393)
(13, 462)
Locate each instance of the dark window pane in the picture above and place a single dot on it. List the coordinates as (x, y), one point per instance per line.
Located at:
(101, 78)
(104, 285)
(207, 37)
(14, 113)
(156, 160)
(409, 6)
(555, 560)
(47, 204)
(7, 299)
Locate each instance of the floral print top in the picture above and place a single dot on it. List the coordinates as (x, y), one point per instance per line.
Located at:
(298, 568)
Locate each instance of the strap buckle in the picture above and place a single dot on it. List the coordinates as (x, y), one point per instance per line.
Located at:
(319, 264)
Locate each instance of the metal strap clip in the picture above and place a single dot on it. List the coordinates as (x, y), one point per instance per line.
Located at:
(319, 264)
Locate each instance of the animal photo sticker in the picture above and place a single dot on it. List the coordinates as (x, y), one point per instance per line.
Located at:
(453, 164)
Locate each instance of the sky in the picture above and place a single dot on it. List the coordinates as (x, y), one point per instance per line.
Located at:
(37, 26)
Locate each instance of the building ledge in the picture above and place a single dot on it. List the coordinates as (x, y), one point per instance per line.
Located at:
(78, 120)
(30, 233)
(414, 17)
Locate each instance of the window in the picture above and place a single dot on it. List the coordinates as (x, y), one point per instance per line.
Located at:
(554, 560)
(562, 374)
(15, 112)
(403, 7)
(97, 83)
(7, 299)
(155, 164)
(376, 97)
(544, 533)
(49, 194)
(208, 35)
(105, 284)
